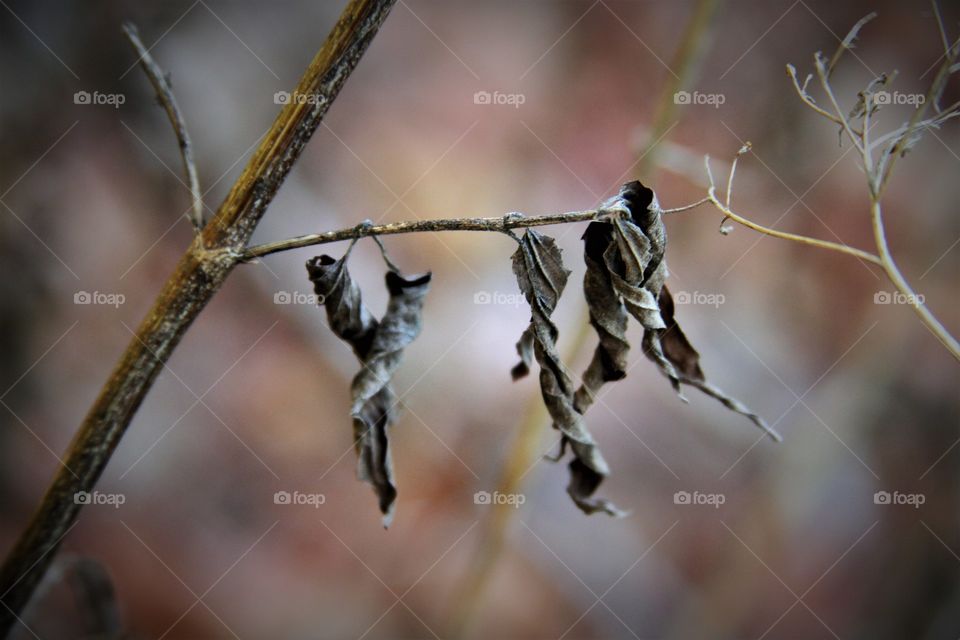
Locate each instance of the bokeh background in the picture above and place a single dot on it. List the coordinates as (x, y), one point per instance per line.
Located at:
(255, 400)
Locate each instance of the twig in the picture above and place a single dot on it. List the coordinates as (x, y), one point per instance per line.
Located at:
(896, 277)
(724, 208)
(884, 260)
(783, 235)
(501, 224)
(949, 113)
(197, 277)
(906, 139)
(805, 97)
(687, 207)
(844, 121)
(733, 169)
(940, 27)
(161, 84)
(878, 169)
(847, 43)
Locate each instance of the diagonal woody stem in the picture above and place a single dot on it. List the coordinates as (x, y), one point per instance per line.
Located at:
(201, 271)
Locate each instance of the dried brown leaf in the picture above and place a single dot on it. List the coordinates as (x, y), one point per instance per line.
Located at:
(633, 250)
(349, 319)
(379, 347)
(373, 398)
(608, 316)
(539, 269)
(638, 270)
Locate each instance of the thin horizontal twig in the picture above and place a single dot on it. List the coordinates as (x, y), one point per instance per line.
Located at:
(502, 224)
(519, 221)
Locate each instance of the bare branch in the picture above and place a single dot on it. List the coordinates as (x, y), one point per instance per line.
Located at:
(732, 215)
(907, 138)
(502, 224)
(687, 207)
(929, 123)
(844, 122)
(806, 98)
(878, 168)
(733, 169)
(847, 43)
(896, 277)
(161, 84)
(940, 27)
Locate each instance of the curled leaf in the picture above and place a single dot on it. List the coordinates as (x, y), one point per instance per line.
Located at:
(372, 442)
(542, 277)
(379, 347)
(373, 398)
(637, 258)
(608, 316)
(635, 261)
(399, 327)
(349, 319)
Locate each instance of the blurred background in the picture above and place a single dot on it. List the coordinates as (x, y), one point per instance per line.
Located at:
(776, 541)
